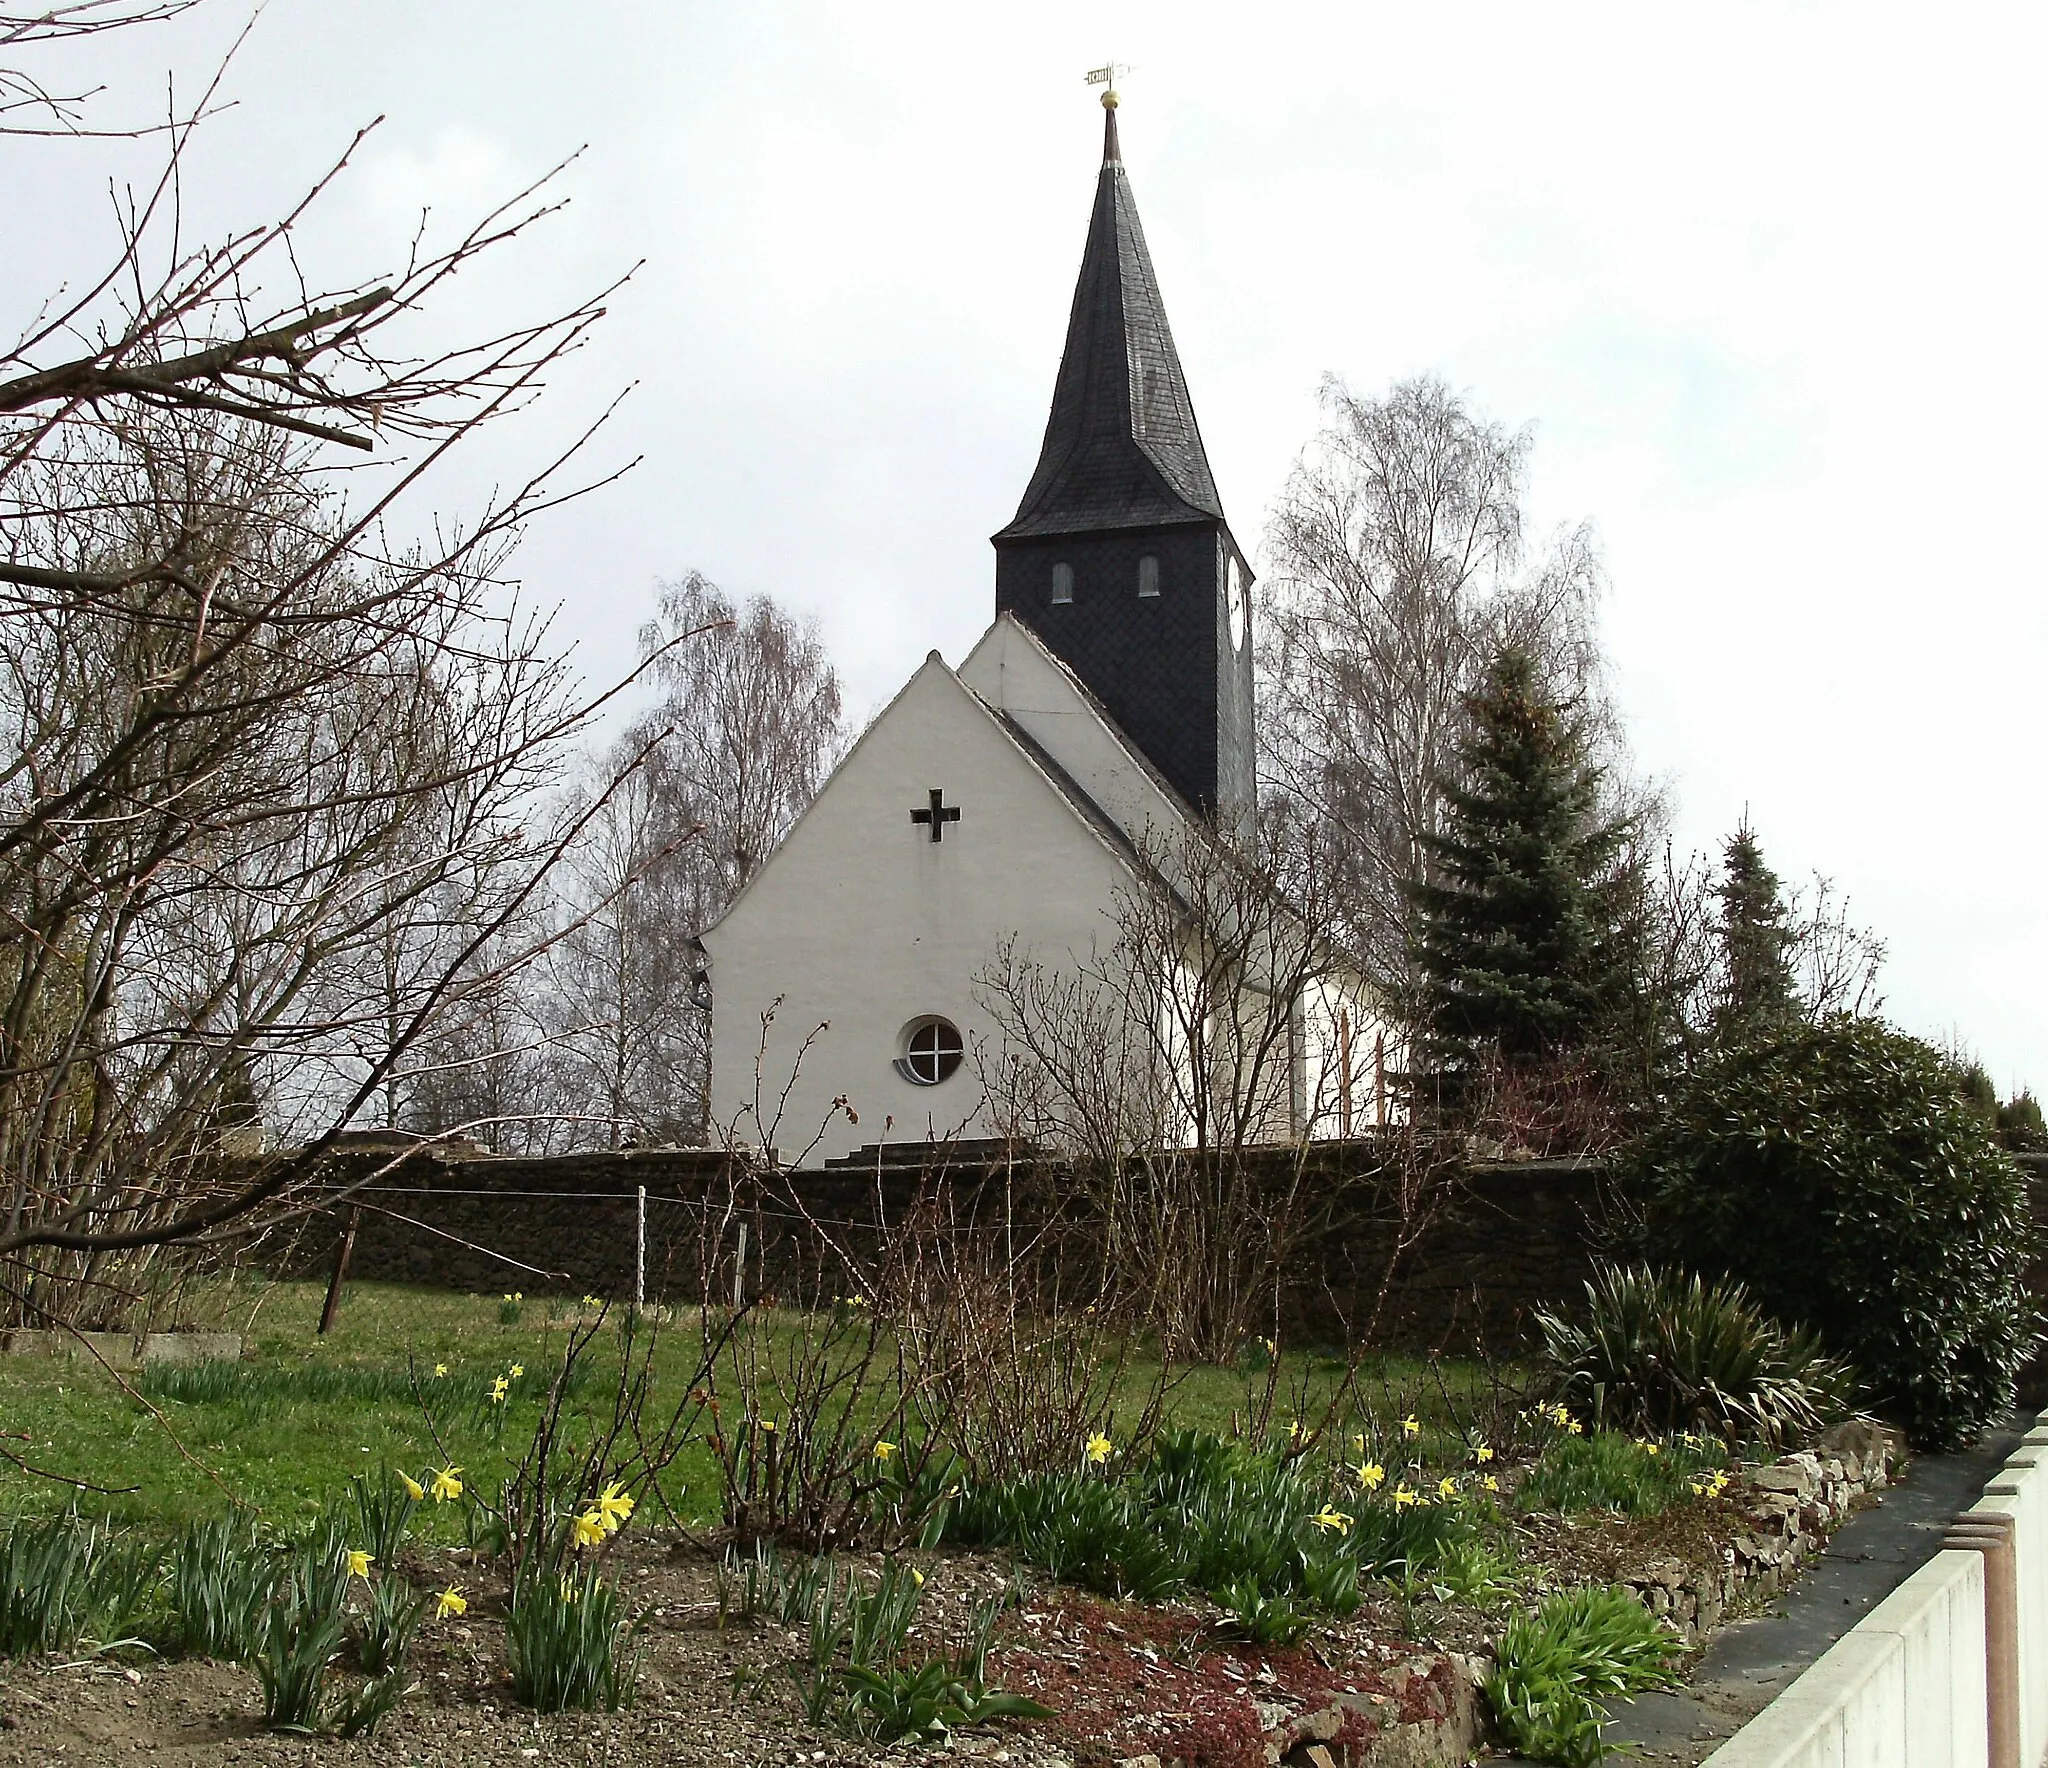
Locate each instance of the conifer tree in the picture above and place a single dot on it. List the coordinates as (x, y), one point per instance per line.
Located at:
(1517, 937)
(1757, 990)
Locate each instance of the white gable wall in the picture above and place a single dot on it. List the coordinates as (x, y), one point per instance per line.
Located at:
(1013, 672)
(863, 923)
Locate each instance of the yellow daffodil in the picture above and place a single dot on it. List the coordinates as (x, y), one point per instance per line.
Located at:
(614, 1504)
(413, 1489)
(358, 1563)
(1446, 1486)
(517, 1370)
(1490, 1483)
(1358, 1443)
(1370, 1475)
(1575, 1427)
(447, 1485)
(1482, 1454)
(589, 1528)
(499, 1387)
(440, 1370)
(1409, 1428)
(1100, 1448)
(768, 1424)
(451, 1601)
(917, 1577)
(884, 1450)
(1272, 1348)
(1403, 1497)
(1294, 1430)
(1329, 1519)
(1654, 1448)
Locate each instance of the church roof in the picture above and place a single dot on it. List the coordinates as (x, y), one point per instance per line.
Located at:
(1122, 449)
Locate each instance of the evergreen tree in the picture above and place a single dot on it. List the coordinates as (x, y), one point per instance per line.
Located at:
(1517, 936)
(1757, 990)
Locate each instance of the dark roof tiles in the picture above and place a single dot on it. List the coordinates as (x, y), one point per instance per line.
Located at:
(1122, 448)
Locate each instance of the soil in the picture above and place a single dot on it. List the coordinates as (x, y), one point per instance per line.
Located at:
(1123, 1679)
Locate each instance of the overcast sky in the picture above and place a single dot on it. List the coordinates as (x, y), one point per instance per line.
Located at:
(1765, 280)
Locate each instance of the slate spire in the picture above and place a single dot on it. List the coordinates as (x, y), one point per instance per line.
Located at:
(1119, 558)
(1122, 448)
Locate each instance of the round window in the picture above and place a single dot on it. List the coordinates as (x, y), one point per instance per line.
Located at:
(931, 1051)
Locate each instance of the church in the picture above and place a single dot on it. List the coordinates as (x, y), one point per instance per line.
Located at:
(1101, 731)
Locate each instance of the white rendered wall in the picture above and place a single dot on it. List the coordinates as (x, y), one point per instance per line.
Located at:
(1013, 672)
(862, 922)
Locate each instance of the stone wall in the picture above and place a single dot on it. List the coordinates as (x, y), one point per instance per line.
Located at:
(1460, 1267)
(1794, 1505)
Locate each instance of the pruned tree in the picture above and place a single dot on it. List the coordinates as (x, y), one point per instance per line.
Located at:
(278, 739)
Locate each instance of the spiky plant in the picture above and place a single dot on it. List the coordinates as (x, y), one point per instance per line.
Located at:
(1660, 1352)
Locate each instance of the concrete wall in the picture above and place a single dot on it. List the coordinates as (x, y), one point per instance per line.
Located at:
(1904, 1688)
(1920, 1682)
(2020, 1493)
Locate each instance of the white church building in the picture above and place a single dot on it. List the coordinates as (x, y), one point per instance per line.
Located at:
(1102, 724)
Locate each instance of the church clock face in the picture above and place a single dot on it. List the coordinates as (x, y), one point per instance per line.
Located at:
(1239, 626)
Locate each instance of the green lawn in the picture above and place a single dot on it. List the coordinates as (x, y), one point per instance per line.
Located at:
(284, 1430)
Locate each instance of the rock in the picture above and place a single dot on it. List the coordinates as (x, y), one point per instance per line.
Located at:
(1321, 1725)
(1782, 1478)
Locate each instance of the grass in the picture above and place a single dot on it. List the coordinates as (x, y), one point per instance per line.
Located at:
(284, 1430)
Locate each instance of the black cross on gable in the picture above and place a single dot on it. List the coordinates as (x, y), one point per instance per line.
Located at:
(938, 816)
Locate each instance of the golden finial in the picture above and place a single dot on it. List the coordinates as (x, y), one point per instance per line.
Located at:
(1106, 77)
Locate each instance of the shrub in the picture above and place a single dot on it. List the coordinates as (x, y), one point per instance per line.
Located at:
(1838, 1172)
(568, 1643)
(1609, 1471)
(1662, 1353)
(1555, 1668)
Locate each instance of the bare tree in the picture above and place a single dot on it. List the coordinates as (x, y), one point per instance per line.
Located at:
(630, 1041)
(275, 774)
(1398, 566)
(1183, 1070)
(748, 726)
(1834, 961)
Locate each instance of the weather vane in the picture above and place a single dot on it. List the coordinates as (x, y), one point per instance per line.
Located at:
(1106, 76)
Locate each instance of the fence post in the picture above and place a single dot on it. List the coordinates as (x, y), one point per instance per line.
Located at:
(640, 1251)
(343, 1248)
(739, 1272)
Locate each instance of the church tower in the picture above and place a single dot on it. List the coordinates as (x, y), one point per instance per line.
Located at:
(1119, 557)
